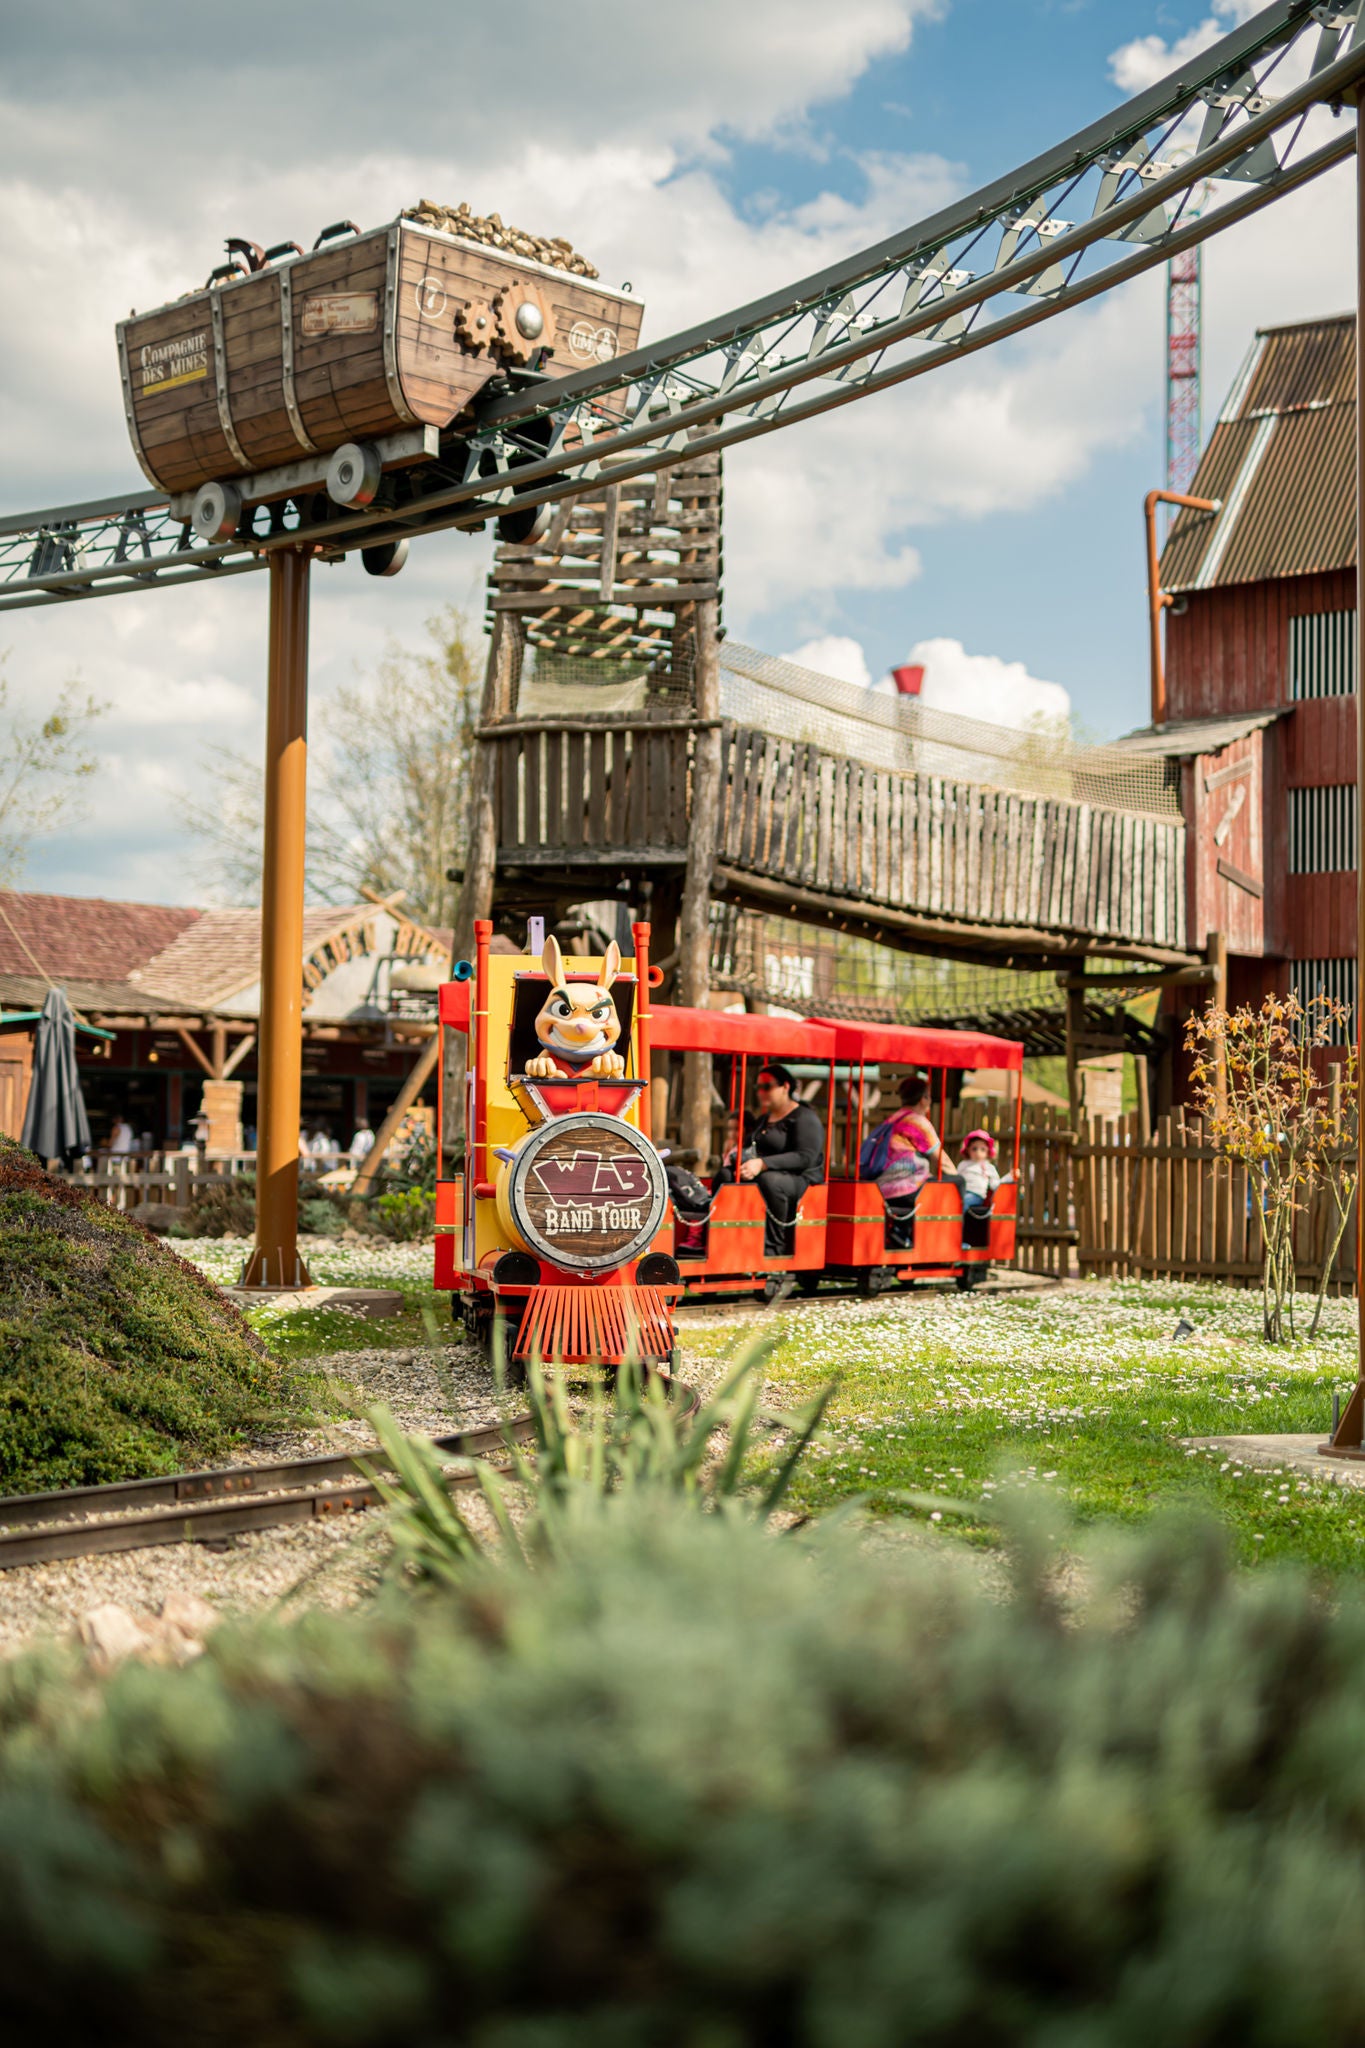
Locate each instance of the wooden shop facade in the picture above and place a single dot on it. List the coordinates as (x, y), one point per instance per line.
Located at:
(167, 999)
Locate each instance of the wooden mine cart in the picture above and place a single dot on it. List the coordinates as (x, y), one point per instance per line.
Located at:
(376, 338)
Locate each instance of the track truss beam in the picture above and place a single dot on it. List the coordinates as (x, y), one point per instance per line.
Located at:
(1255, 116)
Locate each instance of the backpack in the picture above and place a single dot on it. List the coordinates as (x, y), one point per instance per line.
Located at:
(875, 1152)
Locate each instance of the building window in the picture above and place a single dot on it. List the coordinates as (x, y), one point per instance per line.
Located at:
(1322, 655)
(1322, 829)
(1336, 978)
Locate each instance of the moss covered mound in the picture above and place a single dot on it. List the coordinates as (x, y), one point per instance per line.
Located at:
(117, 1359)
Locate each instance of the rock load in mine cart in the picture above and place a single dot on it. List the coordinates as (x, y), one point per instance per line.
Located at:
(377, 341)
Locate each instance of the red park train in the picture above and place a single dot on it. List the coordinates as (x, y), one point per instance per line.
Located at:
(561, 1237)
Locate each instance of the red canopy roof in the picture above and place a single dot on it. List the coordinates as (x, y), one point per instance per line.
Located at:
(674, 1029)
(911, 1045)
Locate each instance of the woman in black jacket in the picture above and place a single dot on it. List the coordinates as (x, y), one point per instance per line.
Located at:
(788, 1154)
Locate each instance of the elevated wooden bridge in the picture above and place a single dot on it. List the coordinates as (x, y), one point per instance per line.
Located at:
(608, 757)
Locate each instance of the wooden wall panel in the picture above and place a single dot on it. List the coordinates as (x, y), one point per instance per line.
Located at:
(1321, 913)
(1229, 650)
(1319, 743)
(1226, 841)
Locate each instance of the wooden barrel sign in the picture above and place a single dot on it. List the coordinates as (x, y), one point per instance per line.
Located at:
(585, 1192)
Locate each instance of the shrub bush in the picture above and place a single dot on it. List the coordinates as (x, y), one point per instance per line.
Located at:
(117, 1359)
(405, 1214)
(321, 1217)
(691, 1784)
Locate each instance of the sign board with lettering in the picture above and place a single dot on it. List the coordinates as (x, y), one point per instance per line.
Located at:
(585, 1191)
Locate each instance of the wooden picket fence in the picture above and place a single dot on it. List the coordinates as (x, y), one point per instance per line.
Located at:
(1111, 1200)
(1169, 1204)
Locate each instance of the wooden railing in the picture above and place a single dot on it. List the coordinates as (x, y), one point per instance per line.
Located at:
(176, 1178)
(920, 843)
(583, 790)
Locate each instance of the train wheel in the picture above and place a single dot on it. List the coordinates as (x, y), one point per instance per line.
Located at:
(808, 1283)
(874, 1280)
(508, 1370)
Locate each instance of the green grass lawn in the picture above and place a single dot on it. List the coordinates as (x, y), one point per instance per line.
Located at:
(1080, 1389)
(299, 1334)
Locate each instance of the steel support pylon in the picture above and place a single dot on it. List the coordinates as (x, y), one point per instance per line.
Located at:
(275, 1260)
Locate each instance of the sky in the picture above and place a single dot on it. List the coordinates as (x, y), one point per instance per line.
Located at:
(985, 521)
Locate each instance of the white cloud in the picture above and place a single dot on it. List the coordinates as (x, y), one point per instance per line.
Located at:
(1144, 60)
(984, 686)
(835, 655)
(970, 685)
(613, 132)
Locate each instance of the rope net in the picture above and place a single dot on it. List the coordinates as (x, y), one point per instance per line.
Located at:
(899, 734)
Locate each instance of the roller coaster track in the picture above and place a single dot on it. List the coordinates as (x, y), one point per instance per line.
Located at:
(1258, 115)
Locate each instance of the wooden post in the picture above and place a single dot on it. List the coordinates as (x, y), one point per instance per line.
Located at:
(501, 677)
(275, 1261)
(417, 1077)
(1350, 1431)
(1217, 950)
(694, 924)
(1075, 1027)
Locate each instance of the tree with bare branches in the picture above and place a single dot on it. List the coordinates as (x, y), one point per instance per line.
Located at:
(388, 778)
(43, 766)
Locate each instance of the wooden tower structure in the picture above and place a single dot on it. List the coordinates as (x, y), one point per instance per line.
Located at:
(597, 761)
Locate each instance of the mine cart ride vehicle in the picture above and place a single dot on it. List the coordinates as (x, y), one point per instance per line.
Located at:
(331, 377)
(550, 1238)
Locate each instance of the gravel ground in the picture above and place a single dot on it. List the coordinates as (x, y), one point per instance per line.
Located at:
(329, 1563)
(432, 1392)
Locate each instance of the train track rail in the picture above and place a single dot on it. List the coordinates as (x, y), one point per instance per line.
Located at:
(232, 1500)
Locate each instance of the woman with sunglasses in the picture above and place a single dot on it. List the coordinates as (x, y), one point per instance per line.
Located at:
(788, 1141)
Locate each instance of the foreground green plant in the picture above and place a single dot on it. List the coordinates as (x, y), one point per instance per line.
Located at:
(688, 1784)
(635, 1438)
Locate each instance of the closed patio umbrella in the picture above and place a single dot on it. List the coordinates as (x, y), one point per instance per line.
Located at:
(55, 1123)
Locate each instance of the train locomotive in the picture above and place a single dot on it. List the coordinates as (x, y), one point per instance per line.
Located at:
(562, 1237)
(548, 1237)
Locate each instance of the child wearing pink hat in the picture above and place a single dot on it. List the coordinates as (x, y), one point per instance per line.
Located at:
(976, 1175)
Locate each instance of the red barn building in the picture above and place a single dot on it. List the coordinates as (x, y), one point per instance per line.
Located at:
(1260, 668)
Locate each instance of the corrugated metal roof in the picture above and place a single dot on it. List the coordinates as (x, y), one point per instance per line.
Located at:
(1186, 737)
(1281, 460)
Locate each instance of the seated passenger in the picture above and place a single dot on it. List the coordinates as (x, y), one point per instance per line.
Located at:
(897, 1157)
(976, 1176)
(788, 1154)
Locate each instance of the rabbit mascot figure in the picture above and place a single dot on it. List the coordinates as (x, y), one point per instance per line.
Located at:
(578, 1026)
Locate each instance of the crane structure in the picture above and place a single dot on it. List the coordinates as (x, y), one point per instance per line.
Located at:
(1184, 423)
(1259, 114)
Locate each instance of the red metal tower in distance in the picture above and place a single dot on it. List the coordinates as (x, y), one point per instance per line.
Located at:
(1183, 421)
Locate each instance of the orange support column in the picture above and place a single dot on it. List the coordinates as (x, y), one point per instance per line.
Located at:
(643, 1012)
(275, 1261)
